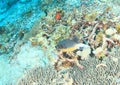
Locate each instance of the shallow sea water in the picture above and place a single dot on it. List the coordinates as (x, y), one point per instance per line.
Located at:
(30, 30)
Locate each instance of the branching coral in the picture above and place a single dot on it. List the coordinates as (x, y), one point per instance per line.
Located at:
(45, 76)
(100, 75)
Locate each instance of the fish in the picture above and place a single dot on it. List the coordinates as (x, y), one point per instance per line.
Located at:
(73, 45)
(68, 44)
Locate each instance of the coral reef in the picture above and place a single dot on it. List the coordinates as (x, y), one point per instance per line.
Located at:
(68, 35)
(90, 27)
(94, 31)
(95, 72)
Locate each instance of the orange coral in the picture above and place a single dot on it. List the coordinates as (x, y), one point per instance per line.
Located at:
(58, 16)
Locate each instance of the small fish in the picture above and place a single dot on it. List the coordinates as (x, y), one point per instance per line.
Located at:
(68, 45)
(58, 15)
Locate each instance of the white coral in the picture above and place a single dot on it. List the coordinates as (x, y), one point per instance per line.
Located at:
(85, 52)
(110, 31)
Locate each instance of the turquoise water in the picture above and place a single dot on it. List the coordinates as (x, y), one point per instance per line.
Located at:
(12, 13)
